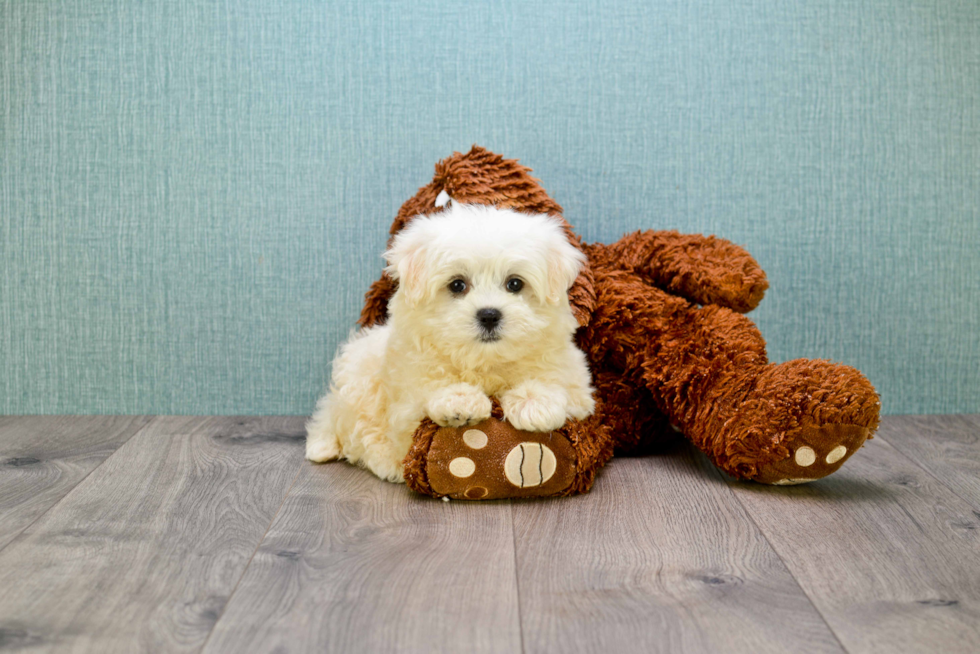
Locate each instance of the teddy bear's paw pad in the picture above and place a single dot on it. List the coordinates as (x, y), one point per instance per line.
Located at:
(493, 460)
(815, 452)
(530, 464)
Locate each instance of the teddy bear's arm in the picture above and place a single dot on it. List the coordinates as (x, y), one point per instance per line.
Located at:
(375, 311)
(703, 269)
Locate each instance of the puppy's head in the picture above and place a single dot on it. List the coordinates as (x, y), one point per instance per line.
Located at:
(483, 282)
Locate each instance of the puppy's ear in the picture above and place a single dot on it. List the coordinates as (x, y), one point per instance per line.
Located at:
(406, 264)
(565, 262)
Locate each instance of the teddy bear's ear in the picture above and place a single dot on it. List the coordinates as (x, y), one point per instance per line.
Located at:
(407, 265)
(565, 262)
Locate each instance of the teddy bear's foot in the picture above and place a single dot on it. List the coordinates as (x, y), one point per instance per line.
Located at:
(493, 460)
(815, 452)
(800, 421)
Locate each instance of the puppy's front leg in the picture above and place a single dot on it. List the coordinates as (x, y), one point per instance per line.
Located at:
(458, 405)
(581, 404)
(535, 406)
(385, 461)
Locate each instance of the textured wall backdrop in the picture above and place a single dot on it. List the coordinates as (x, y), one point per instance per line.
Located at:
(194, 195)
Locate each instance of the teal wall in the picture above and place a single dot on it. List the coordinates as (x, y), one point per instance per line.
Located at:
(194, 195)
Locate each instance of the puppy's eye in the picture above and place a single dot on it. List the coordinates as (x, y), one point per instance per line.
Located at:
(457, 286)
(514, 284)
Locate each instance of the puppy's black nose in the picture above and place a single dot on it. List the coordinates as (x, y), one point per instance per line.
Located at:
(489, 318)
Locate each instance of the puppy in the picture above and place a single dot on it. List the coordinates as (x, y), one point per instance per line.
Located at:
(481, 310)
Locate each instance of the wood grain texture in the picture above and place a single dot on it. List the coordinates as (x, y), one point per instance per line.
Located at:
(188, 537)
(946, 446)
(659, 557)
(354, 564)
(44, 457)
(888, 554)
(143, 555)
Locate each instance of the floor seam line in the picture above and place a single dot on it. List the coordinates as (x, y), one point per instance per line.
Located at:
(258, 545)
(517, 577)
(930, 473)
(779, 556)
(79, 482)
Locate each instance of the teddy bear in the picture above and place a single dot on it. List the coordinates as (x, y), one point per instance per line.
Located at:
(661, 322)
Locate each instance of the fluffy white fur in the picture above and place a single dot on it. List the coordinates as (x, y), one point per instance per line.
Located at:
(435, 358)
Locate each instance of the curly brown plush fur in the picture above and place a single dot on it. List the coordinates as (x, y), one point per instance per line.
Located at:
(661, 323)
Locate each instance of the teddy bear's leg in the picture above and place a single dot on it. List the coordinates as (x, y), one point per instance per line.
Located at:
(774, 423)
(707, 371)
(493, 459)
(635, 424)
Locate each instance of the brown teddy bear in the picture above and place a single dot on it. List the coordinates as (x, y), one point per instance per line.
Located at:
(661, 323)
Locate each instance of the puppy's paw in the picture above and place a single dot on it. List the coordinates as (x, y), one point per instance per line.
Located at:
(322, 447)
(535, 407)
(459, 405)
(581, 405)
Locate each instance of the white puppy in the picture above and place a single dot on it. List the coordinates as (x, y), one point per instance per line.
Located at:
(481, 310)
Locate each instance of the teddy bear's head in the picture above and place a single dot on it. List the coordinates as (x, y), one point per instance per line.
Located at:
(480, 177)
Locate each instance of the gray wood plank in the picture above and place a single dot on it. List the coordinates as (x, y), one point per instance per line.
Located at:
(946, 446)
(658, 558)
(889, 555)
(44, 457)
(354, 564)
(144, 553)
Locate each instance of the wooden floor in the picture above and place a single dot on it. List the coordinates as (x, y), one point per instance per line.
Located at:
(172, 534)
